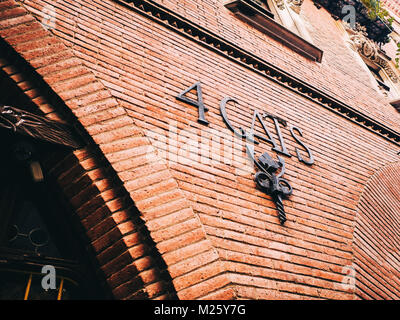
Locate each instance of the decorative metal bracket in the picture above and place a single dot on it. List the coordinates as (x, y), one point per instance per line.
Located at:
(269, 180)
(38, 127)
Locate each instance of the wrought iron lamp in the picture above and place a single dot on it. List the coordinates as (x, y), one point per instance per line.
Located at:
(25, 152)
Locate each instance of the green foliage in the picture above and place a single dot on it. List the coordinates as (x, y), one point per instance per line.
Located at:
(375, 10)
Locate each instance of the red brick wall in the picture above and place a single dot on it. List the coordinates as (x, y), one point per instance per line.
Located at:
(376, 237)
(218, 234)
(338, 74)
(145, 177)
(392, 5)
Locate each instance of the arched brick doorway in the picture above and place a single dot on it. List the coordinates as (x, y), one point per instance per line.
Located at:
(141, 233)
(123, 256)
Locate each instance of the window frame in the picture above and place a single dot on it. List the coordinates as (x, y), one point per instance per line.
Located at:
(254, 15)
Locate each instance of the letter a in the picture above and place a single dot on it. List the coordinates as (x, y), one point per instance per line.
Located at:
(49, 280)
(350, 18)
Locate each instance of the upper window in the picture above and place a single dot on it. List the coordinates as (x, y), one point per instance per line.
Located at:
(379, 77)
(287, 12)
(279, 19)
(263, 4)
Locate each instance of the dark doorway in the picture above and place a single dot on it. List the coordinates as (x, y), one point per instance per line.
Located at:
(37, 227)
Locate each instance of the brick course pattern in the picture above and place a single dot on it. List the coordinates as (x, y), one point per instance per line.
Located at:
(121, 248)
(218, 235)
(376, 237)
(113, 229)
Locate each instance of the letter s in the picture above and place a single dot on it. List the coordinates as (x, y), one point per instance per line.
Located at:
(311, 160)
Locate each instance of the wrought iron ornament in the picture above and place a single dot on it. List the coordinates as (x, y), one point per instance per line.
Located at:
(269, 180)
(38, 127)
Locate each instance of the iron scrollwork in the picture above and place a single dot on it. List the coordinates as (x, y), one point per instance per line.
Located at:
(39, 127)
(269, 180)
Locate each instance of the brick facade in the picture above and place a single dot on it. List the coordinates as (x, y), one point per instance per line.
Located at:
(172, 209)
(375, 237)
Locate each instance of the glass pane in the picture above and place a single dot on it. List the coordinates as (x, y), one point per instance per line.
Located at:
(262, 3)
(27, 231)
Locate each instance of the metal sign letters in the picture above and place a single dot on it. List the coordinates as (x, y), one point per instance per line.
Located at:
(269, 177)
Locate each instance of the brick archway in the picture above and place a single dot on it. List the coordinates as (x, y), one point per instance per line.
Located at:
(133, 212)
(377, 236)
(106, 216)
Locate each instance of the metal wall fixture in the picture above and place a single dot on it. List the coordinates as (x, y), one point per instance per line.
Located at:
(38, 127)
(269, 180)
